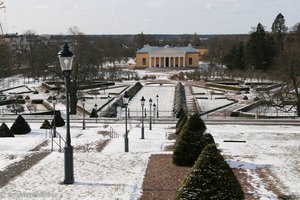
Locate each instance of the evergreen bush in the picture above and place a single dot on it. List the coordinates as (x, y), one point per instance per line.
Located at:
(181, 124)
(190, 142)
(211, 178)
(4, 131)
(46, 125)
(20, 126)
(59, 121)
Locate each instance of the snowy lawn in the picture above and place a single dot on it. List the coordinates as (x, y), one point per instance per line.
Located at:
(165, 100)
(271, 151)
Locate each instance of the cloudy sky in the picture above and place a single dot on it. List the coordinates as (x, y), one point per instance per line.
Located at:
(149, 16)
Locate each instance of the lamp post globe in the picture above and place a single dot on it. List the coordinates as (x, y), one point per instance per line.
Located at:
(125, 101)
(143, 129)
(65, 57)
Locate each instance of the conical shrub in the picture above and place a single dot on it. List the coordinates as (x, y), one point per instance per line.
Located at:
(4, 131)
(46, 125)
(181, 124)
(20, 126)
(211, 178)
(59, 121)
(93, 113)
(190, 142)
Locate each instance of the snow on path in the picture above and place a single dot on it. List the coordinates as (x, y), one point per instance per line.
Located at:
(110, 174)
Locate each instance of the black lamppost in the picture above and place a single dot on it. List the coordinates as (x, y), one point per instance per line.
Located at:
(150, 121)
(126, 100)
(66, 60)
(142, 104)
(54, 101)
(95, 106)
(154, 108)
(83, 106)
(157, 105)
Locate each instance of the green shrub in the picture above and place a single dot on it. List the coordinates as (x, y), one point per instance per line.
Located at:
(20, 126)
(211, 178)
(4, 131)
(190, 141)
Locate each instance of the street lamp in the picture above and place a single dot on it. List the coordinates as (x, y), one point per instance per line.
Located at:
(95, 106)
(150, 121)
(142, 104)
(154, 108)
(109, 98)
(126, 100)
(54, 101)
(65, 57)
(83, 106)
(157, 105)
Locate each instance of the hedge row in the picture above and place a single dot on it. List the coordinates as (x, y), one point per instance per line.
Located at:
(180, 105)
(211, 177)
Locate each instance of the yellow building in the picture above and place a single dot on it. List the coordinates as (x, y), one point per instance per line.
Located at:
(153, 56)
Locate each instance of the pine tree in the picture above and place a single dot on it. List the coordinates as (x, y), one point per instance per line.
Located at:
(211, 178)
(4, 131)
(279, 31)
(20, 126)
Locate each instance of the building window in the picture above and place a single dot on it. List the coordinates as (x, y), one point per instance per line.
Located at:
(144, 61)
(190, 61)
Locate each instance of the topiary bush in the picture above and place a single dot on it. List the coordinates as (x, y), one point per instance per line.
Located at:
(182, 120)
(5, 132)
(20, 126)
(93, 113)
(46, 125)
(59, 121)
(190, 141)
(210, 178)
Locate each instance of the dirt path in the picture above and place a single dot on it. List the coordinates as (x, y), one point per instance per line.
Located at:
(17, 168)
(162, 178)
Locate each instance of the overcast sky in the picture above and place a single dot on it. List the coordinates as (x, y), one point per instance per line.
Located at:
(147, 16)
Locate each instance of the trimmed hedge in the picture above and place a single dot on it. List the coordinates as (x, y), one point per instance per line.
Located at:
(180, 106)
(190, 142)
(46, 125)
(20, 126)
(182, 120)
(211, 178)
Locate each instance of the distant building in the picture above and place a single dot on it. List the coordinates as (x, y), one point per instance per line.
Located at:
(164, 57)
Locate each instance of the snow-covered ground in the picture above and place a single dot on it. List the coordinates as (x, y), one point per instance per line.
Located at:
(165, 100)
(113, 174)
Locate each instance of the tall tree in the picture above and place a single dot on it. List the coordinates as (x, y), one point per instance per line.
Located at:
(287, 71)
(260, 49)
(279, 30)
